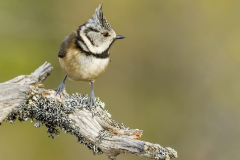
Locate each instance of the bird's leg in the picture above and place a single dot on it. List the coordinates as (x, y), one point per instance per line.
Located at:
(61, 86)
(91, 99)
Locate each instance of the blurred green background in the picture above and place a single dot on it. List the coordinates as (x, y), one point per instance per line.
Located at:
(176, 75)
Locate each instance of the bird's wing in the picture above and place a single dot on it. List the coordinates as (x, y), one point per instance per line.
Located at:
(63, 49)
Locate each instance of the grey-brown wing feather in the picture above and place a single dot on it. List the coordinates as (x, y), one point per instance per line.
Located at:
(63, 49)
(68, 42)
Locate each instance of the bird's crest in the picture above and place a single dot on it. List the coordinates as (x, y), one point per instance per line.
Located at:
(99, 19)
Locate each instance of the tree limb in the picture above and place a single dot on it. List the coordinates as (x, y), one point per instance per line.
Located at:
(24, 98)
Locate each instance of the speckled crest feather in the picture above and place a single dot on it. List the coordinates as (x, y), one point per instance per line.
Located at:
(99, 19)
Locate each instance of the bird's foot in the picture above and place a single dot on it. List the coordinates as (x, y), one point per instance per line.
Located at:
(91, 100)
(61, 88)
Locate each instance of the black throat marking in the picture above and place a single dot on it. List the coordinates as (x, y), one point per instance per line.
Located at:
(103, 55)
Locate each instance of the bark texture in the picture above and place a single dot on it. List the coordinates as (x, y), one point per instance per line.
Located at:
(24, 98)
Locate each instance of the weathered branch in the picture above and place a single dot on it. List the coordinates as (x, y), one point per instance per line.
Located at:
(24, 98)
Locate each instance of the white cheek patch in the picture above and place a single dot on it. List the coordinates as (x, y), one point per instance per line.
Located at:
(95, 49)
(83, 46)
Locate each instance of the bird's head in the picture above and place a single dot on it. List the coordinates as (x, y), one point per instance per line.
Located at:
(96, 35)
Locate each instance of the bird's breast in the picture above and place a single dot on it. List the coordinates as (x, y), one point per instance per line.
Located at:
(80, 67)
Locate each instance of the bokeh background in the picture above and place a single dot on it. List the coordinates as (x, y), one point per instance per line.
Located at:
(176, 75)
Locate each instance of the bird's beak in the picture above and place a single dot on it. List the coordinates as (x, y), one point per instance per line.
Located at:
(120, 37)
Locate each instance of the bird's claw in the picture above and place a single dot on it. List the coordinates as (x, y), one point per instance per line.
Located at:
(60, 88)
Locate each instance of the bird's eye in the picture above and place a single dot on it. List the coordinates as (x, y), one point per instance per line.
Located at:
(105, 34)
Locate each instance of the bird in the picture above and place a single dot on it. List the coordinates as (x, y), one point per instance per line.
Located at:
(84, 55)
